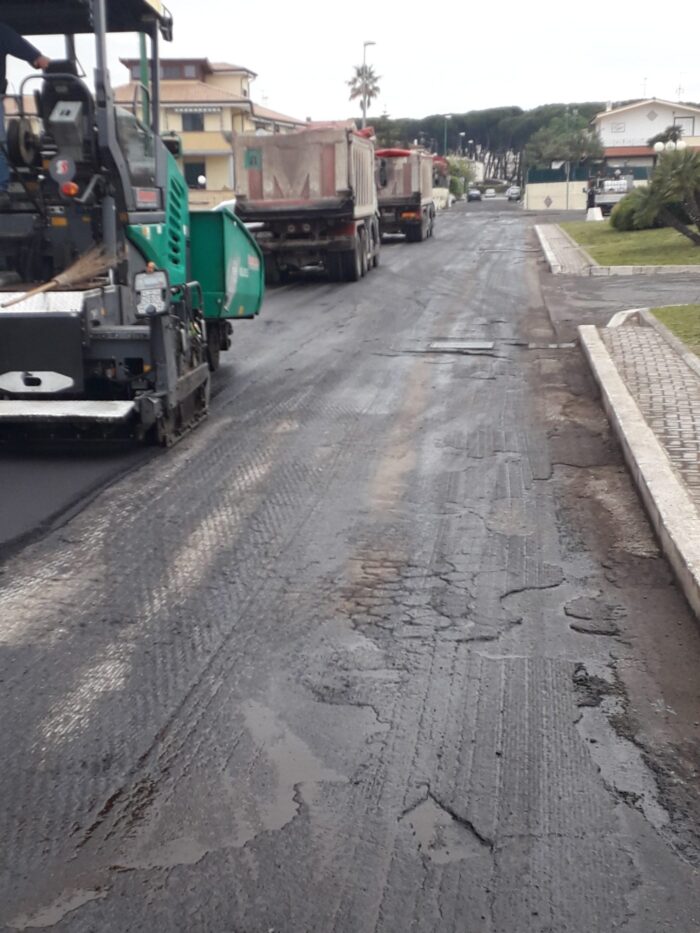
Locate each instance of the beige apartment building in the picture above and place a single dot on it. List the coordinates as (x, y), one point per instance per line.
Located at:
(207, 104)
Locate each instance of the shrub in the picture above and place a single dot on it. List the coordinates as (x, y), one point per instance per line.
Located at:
(456, 186)
(622, 215)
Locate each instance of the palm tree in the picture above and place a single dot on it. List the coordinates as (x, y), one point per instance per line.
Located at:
(652, 203)
(365, 85)
(677, 177)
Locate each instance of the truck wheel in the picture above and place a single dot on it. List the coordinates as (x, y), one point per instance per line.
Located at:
(376, 244)
(213, 345)
(364, 256)
(334, 266)
(272, 272)
(352, 262)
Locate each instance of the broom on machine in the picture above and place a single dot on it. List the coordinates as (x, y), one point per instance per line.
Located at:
(93, 263)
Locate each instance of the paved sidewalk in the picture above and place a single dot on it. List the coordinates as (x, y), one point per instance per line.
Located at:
(652, 398)
(667, 392)
(563, 255)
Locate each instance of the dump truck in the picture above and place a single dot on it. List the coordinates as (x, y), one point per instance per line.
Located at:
(610, 191)
(404, 179)
(115, 300)
(312, 198)
(441, 183)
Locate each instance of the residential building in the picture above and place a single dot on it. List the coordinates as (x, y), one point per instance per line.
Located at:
(207, 104)
(625, 131)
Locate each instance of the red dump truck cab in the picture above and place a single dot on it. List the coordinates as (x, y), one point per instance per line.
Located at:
(312, 198)
(404, 180)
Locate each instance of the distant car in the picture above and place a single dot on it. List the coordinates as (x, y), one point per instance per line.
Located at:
(513, 193)
(490, 193)
(473, 194)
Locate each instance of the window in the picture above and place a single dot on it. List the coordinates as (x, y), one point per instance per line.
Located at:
(170, 71)
(135, 72)
(617, 127)
(193, 171)
(190, 71)
(687, 124)
(192, 122)
(138, 145)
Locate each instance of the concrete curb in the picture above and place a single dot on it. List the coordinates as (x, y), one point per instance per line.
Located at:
(688, 357)
(549, 255)
(670, 508)
(644, 270)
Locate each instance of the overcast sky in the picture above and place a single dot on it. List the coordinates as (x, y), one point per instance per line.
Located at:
(446, 56)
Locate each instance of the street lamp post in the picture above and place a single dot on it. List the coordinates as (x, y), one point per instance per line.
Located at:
(448, 116)
(364, 82)
(669, 146)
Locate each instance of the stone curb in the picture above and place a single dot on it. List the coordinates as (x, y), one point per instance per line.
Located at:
(668, 504)
(644, 270)
(550, 256)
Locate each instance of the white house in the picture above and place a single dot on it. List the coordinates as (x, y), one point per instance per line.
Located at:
(624, 131)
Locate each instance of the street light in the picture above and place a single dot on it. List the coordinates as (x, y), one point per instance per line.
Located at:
(669, 146)
(461, 143)
(364, 82)
(448, 116)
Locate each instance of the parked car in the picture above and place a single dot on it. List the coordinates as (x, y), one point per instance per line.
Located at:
(490, 193)
(473, 194)
(513, 193)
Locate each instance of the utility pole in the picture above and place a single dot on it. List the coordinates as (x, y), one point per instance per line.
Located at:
(448, 116)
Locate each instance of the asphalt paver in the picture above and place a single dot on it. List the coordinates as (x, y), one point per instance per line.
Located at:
(386, 644)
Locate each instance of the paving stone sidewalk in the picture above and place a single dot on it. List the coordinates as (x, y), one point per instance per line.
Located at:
(652, 398)
(667, 392)
(563, 255)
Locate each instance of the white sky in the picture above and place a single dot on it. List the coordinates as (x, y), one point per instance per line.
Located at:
(449, 56)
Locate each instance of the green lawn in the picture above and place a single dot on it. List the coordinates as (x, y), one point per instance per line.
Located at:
(684, 322)
(664, 247)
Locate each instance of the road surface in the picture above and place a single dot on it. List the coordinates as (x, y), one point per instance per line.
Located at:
(385, 645)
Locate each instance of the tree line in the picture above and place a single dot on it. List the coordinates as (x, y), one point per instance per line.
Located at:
(506, 139)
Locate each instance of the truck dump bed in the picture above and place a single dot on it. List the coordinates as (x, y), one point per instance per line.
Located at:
(313, 171)
(403, 176)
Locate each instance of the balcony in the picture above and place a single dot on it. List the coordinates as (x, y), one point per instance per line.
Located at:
(204, 142)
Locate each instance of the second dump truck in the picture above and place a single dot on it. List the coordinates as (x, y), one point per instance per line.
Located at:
(311, 199)
(405, 189)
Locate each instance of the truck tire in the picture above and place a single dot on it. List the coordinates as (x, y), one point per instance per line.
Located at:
(352, 262)
(213, 346)
(334, 266)
(272, 271)
(364, 253)
(377, 242)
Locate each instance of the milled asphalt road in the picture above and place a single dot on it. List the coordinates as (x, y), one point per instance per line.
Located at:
(385, 645)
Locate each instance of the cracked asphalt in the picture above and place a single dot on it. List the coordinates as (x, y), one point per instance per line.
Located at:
(386, 645)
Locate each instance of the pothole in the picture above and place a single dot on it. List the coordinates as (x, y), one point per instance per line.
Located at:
(442, 836)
